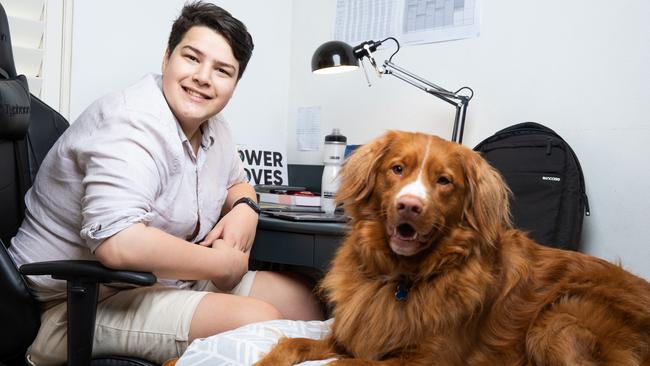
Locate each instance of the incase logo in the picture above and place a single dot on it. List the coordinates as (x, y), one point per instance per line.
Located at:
(555, 179)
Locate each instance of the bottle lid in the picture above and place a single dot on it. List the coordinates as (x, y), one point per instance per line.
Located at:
(336, 137)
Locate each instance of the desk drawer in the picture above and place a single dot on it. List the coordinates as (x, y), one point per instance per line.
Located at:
(284, 247)
(324, 250)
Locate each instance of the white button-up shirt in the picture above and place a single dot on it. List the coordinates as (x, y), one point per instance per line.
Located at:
(125, 160)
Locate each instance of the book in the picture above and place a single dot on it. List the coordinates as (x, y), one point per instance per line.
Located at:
(276, 207)
(289, 199)
(309, 216)
(273, 188)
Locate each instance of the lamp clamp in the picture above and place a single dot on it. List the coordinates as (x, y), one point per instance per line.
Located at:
(366, 48)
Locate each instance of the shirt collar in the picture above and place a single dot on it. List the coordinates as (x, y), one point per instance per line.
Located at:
(208, 132)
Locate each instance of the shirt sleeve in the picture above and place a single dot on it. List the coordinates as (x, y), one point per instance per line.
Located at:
(122, 178)
(223, 133)
(237, 173)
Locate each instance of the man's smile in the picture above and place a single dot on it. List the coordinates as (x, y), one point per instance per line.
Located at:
(195, 94)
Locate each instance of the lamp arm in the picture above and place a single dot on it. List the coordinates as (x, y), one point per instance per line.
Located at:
(455, 98)
(442, 95)
(458, 100)
(421, 83)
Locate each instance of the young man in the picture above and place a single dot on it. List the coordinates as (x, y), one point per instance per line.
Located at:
(148, 179)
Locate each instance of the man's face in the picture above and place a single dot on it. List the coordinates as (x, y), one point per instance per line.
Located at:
(199, 76)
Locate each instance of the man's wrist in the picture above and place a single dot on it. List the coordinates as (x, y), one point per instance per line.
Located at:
(248, 202)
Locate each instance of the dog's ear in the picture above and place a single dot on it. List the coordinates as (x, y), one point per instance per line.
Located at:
(360, 170)
(487, 209)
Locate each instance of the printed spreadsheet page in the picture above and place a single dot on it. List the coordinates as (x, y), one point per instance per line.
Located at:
(410, 21)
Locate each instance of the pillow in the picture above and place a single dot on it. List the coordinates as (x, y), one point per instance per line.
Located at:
(14, 107)
(245, 345)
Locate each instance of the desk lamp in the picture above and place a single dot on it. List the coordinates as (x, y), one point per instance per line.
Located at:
(336, 56)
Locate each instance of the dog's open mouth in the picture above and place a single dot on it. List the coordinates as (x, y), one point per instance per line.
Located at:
(405, 232)
(405, 239)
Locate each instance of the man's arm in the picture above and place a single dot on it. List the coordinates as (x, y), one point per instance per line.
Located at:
(143, 248)
(238, 225)
(238, 191)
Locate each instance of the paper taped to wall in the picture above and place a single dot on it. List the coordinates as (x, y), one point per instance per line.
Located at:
(410, 21)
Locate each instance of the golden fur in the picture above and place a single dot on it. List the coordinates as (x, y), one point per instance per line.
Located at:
(481, 292)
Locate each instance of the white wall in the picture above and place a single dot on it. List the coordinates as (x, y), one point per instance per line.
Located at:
(117, 42)
(579, 67)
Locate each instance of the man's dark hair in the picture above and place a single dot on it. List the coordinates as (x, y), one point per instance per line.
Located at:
(198, 13)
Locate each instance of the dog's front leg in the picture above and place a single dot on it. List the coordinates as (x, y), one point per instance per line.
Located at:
(290, 351)
(389, 362)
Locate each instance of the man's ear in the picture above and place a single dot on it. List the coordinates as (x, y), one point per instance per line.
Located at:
(165, 60)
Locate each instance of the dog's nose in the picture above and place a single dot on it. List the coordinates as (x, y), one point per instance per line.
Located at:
(409, 205)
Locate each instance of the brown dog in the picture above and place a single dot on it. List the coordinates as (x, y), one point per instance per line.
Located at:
(432, 273)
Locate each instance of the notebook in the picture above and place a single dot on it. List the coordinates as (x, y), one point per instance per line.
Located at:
(308, 216)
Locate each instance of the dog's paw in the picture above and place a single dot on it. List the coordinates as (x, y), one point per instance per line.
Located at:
(170, 362)
(270, 360)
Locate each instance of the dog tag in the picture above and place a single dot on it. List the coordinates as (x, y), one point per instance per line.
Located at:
(402, 292)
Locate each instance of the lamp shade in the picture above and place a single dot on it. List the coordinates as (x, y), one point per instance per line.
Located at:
(333, 57)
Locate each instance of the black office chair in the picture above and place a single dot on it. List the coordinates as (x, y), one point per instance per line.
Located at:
(28, 128)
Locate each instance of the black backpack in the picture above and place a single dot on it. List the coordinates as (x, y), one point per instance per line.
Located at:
(549, 199)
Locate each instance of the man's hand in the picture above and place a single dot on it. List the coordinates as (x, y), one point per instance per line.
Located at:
(236, 228)
(237, 268)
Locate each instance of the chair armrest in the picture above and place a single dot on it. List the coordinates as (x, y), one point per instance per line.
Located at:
(88, 270)
(83, 279)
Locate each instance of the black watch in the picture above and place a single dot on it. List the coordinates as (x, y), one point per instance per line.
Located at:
(248, 201)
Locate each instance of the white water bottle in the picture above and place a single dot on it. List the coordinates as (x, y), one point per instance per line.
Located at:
(333, 155)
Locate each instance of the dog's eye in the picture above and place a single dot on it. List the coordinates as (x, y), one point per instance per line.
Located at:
(397, 169)
(443, 181)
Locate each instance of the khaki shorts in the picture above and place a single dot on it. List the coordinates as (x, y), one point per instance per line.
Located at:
(152, 323)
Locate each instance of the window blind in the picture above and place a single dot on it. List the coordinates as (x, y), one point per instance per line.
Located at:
(27, 27)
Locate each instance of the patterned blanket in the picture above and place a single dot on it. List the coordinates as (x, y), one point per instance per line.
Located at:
(245, 345)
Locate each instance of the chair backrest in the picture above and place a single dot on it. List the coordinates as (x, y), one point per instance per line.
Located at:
(6, 52)
(14, 123)
(28, 128)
